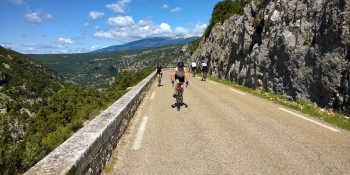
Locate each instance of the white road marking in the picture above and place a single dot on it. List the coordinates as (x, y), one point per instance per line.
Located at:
(140, 132)
(152, 96)
(310, 120)
(212, 82)
(238, 91)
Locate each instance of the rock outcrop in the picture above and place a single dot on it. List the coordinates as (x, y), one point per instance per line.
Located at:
(298, 48)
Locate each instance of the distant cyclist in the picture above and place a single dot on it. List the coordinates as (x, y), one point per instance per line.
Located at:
(179, 75)
(159, 70)
(204, 69)
(194, 67)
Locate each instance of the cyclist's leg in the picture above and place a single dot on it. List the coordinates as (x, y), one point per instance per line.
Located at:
(175, 85)
(158, 74)
(182, 79)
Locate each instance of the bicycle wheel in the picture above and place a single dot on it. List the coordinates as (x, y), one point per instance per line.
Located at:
(178, 99)
(159, 80)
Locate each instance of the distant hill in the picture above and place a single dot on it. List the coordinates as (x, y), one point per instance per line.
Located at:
(147, 43)
(98, 69)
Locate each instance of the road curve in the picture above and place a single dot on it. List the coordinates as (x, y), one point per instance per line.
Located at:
(225, 131)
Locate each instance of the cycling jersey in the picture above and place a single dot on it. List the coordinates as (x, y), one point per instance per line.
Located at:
(204, 67)
(193, 64)
(159, 69)
(180, 73)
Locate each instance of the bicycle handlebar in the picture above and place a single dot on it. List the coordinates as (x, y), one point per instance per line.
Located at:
(180, 83)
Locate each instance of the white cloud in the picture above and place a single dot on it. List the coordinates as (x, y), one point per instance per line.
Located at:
(199, 29)
(6, 45)
(143, 29)
(97, 27)
(145, 22)
(165, 27)
(49, 16)
(18, 2)
(124, 29)
(181, 30)
(94, 15)
(30, 49)
(177, 9)
(60, 46)
(104, 34)
(165, 6)
(118, 7)
(94, 47)
(33, 18)
(86, 24)
(30, 45)
(64, 41)
(121, 21)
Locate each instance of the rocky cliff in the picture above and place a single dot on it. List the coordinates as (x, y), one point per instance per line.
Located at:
(298, 48)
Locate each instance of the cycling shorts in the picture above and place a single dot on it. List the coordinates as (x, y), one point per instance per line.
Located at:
(205, 69)
(181, 79)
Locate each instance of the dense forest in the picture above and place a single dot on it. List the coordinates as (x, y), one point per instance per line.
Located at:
(39, 111)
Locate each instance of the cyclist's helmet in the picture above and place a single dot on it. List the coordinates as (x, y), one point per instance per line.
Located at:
(180, 64)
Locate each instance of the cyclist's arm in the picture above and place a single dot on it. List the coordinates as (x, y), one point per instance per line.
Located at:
(172, 76)
(186, 76)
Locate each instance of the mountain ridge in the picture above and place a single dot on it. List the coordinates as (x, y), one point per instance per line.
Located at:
(147, 43)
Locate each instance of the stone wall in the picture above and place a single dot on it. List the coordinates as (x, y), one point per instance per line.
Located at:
(89, 149)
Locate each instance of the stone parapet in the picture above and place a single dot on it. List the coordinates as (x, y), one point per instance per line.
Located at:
(88, 150)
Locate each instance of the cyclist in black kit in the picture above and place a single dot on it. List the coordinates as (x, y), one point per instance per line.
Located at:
(179, 75)
(204, 70)
(159, 71)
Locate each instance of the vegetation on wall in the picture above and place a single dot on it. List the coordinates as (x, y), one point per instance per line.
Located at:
(224, 10)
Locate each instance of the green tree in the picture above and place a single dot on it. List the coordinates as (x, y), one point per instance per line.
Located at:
(224, 10)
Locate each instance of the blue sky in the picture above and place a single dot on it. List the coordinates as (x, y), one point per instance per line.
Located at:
(78, 26)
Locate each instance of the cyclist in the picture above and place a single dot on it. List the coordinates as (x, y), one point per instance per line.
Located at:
(193, 67)
(179, 75)
(204, 69)
(159, 71)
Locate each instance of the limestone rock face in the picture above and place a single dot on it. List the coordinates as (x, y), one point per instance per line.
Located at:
(298, 48)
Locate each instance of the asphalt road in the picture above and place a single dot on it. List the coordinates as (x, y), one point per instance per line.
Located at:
(225, 131)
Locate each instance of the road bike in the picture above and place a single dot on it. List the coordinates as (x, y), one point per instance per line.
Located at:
(179, 97)
(159, 80)
(204, 77)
